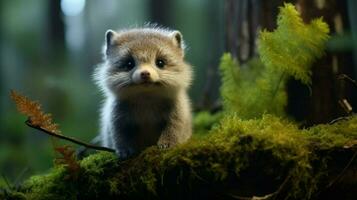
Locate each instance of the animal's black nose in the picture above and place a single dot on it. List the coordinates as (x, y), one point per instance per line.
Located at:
(145, 75)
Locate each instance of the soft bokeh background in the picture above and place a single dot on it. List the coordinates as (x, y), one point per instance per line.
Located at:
(49, 49)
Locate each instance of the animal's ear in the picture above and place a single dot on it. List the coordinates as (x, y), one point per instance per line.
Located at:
(177, 39)
(109, 39)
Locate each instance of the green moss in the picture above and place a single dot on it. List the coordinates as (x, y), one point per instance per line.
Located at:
(270, 147)
(336, 135)
(285, 142)
(49, 186)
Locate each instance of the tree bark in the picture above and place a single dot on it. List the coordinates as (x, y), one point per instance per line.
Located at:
(244, 19)
(327, 90)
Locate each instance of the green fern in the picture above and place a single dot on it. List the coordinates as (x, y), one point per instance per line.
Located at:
(250, 90)
(293, 46)
(258, 87)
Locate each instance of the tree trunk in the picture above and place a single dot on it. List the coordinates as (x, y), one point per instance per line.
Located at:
(244, 20)
(160, 12)
(327, 90)
(55, 29)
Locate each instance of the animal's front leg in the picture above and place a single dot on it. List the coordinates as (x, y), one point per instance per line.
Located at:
(169, 137)
(124, 150)
(123, 144)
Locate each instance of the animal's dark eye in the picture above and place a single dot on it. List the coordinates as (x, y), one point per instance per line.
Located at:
(128, 63)
(160, 63)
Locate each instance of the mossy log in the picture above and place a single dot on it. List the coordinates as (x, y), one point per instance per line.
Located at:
(267, 158)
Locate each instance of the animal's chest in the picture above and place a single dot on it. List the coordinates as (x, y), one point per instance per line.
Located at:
(145, 117)
(142, 123)
(150, 119)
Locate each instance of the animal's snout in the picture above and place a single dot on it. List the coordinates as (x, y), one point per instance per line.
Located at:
(145, 75)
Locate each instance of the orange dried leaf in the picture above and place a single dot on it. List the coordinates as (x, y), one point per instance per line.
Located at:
(32, 110)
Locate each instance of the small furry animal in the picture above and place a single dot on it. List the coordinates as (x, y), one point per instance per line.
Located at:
(144, 78)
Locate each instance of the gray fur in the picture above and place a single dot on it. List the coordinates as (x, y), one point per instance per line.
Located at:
(138, 114)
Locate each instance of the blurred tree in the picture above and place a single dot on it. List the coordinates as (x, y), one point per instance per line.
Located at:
(1, 68)
(55, 28)
(214, 34)
(245, 18)
(160, 12)
(327, 90)
(352, 6)
(56, 60)
(202, 30)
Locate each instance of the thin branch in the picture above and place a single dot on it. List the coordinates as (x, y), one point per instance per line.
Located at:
(345, 77)
(338, 119)
(268, 196)
(343, 171)
(346, 106)
(265, 197)
(73, 140)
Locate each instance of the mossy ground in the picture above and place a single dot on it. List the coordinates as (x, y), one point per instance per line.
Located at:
(237, 158)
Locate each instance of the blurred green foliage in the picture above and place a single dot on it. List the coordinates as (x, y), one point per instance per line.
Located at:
(203, 122)
(56, 69)
(62, 82)
(252, 121)
(293, 46)
(251, 90)
(259, 86)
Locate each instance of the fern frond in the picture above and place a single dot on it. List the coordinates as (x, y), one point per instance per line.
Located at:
(293, 46)
(33, 111)
(248, 90)
(68, 159)
(229, 69)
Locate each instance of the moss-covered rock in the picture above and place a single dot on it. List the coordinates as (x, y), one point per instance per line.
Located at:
(238, 158)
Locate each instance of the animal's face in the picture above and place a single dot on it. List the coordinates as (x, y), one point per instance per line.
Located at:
(145, 60)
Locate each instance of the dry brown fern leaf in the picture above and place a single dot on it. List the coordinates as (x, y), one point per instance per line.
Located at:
(68, 159)
(42, 121)
(32, 110)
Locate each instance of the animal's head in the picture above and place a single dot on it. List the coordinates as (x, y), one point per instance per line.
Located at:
(143, 60)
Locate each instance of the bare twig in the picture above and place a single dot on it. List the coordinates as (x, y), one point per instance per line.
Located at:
(265, 197)
(343, 171)
(268, 196)
(346, 106)
(345, 77)
(100, 148)
(339, 119)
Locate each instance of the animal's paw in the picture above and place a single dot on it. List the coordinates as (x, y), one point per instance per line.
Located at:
(164, 145)
(166, 141)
